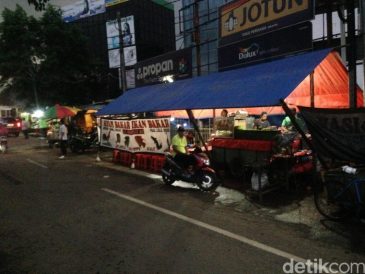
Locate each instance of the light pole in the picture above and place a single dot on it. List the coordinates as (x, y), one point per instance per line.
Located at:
(36, 61)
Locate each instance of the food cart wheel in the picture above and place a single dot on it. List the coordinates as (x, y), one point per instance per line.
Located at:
(208, 181)
(237, 168)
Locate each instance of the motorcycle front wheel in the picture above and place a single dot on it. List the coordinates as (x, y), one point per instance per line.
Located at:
(3, 148)
(208, 181)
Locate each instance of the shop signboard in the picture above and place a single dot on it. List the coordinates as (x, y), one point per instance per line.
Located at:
(175, 64)
(109, 3)
(137, 135)
(274, 44)
(244, 19)
(81, 9)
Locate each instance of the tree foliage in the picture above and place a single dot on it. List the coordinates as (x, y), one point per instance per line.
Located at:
(65, 72)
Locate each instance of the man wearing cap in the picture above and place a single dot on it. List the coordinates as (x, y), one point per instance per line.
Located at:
(180, 150)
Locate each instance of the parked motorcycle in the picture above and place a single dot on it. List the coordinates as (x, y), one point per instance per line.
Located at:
(3, 144)
(79, 142)
(202, 174)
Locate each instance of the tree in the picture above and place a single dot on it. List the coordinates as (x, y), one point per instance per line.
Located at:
(65, 72)
(38, 4)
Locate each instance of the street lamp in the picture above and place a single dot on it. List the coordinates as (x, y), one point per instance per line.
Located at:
(36, 61)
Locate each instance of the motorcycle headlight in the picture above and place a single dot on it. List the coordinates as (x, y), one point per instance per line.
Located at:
(206, 162)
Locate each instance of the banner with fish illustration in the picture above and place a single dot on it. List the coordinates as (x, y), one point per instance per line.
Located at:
(137, 135)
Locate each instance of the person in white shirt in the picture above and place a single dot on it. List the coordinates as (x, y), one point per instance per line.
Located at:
(25, 128)
(63, 136)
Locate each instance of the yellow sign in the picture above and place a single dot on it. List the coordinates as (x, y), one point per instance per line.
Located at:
(243, 15)
(109, 3)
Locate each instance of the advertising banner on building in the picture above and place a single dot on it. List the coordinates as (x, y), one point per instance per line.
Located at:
(337, 133)
(128, 32)
(81, 9)
(274, 44)
(243, 19)
(176, 65)
(130, 57)
(131, 78)
(109, 3)
(140, 135)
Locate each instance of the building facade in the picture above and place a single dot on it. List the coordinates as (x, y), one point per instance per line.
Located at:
(152, 34)
(208, 24)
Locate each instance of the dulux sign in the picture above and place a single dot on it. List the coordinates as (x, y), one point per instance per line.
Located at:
(270, 45)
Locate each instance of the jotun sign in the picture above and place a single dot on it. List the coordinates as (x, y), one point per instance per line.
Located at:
(246, 18)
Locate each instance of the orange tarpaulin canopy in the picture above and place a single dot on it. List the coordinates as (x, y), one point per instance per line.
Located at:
(330, 91)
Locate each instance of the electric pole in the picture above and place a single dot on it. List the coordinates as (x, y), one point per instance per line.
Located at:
(362, 18)
(121, 70)
(351, 52)
(197, 36)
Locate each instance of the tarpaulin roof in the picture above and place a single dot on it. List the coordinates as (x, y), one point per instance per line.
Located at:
(259, 85)
(331, 90)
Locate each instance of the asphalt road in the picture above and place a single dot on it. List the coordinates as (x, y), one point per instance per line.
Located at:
(80, 216)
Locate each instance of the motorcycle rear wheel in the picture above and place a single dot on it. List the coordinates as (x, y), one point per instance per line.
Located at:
(168, 180)
(208, 181)
(330, 207)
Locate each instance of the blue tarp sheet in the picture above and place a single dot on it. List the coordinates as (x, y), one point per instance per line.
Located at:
(255, 86)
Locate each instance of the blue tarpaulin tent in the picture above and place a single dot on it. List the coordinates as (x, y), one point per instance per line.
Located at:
(255, 86)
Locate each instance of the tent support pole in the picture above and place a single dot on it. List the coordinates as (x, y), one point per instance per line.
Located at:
(196, 127)
(301, 132)
(312, 88)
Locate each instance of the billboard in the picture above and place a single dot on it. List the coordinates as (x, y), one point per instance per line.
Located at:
(282, 42)
(81, 9)
(176, 64)
(109, 3)
(130, 57)
(138, 135)
(128, 32)
(129, 41)
(243, 19)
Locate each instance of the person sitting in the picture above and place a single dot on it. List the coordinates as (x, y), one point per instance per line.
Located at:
(262, 122)
(223, 123)
(287, 125)
(180, 150)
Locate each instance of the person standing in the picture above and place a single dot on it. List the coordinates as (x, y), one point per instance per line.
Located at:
(25, 128)
(63, 136)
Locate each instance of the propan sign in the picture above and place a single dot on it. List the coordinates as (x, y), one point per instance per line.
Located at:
(176, 64)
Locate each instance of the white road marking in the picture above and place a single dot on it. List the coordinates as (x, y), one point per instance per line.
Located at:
(37, 164)
(218, 230)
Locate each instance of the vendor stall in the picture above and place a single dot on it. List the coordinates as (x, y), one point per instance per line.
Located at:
(254, 88)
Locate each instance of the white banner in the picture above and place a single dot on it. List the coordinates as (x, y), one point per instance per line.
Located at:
(141, 135)
(130, 57)
(82, 9)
